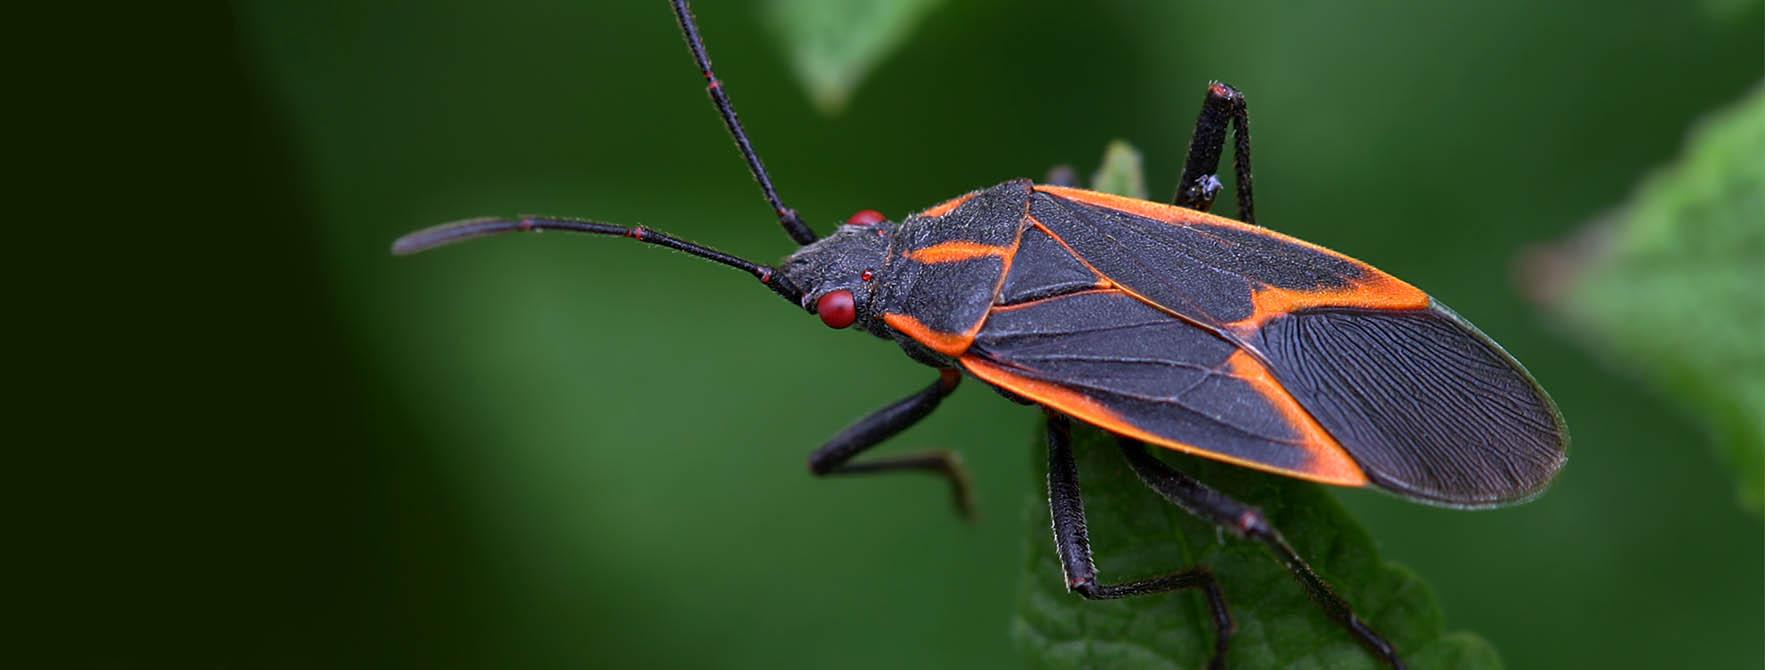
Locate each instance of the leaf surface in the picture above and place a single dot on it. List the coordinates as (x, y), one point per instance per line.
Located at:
(834, 44)
(1671, 288)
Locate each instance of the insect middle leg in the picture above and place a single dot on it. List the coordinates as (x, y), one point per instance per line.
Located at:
(1071, 539)
(1247, 521)
(1223, 107)
(834, 457)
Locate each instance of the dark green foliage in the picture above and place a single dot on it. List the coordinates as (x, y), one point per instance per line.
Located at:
(1121, 172)
(833, 44)
(275, 446)
(1671, 288)
(1135, 533)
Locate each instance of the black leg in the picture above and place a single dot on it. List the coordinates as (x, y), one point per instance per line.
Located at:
(1201, 182)
(1246, 521)
(831, 458)
(1067, 508)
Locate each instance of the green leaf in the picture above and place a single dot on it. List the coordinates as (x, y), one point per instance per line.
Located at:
(1121, 172)
(1671, 288)
(834, 44)
(1135, 533)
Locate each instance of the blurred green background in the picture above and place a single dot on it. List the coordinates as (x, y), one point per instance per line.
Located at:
(559, 451)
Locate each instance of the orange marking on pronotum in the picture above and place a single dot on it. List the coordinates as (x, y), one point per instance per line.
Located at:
(1077, 405)
(948, 344)
(956, 251)
(1328, 459)
(947, 205)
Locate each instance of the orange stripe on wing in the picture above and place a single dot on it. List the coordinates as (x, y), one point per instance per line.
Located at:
(1175, 215)
(948, 344)
(1382, 293)
(1377, 291)
(957, 251)
(1327, 470)
(1151, 210)
(1328, 459)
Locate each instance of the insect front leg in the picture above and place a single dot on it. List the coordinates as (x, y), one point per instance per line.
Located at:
(1071, 539)
(833, 458)
(1247, 521)
(1223, 107)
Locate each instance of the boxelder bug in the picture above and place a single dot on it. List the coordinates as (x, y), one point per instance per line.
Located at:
(1164, 325)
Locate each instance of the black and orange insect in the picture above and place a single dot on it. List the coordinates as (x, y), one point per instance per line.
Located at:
(1164, 325)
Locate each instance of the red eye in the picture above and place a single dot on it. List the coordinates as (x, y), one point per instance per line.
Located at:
(866, 217)
(837, 309)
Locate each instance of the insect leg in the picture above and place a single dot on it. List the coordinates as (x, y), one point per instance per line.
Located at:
(1247, 521)
(1223, 106)
(832, 458)
(1067, 508)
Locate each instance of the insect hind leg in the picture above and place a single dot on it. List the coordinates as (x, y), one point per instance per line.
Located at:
(1073, 541)
(1245, 520)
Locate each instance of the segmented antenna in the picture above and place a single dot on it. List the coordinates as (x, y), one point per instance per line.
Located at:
(458, 231)
(787, 217)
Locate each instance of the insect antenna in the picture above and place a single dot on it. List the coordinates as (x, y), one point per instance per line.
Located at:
(787, 217)
(458, 231)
